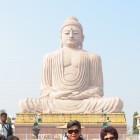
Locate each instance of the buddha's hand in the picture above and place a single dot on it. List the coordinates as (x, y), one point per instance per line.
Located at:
(60, 94)
(90, 93)
(76, 95)
(96, 92)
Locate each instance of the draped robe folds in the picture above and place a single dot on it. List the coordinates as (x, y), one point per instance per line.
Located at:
(88, 78)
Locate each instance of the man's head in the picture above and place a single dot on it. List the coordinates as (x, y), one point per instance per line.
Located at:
(3, 117)
(72, 33)
(13, 138)
(73, 130)
(109, 133)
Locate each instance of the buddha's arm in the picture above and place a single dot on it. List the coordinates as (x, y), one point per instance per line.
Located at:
(96, 81)
(46, 74)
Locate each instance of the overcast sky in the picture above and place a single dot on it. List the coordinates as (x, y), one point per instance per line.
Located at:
(31, 28)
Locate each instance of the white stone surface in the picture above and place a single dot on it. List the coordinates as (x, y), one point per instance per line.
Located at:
(72, 79)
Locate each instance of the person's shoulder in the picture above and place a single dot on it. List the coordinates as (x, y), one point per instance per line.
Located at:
(9, 124)
(81, 138)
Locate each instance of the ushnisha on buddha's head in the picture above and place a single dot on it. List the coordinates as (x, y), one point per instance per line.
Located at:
(72, 33)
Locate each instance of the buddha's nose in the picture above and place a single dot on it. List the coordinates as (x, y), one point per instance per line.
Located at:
(71, 34)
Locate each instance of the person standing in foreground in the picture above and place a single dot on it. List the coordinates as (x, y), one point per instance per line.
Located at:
(73, 131)
(109, 133)
(5, 128)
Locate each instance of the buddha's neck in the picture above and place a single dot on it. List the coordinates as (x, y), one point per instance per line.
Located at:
(71, 49)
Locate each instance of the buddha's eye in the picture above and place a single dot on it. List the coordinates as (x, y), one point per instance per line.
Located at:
(66, 33)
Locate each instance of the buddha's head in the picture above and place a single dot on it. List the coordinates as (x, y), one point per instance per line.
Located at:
(72, 33)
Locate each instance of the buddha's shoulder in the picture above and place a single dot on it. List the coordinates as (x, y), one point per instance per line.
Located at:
(52, 54)
(92, 55)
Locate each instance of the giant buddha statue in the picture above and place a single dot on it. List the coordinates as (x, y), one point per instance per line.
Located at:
(72, 79)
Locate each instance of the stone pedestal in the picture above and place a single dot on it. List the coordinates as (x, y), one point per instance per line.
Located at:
(91, 123)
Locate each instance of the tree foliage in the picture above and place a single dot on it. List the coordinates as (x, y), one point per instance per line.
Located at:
(8, 120)
(135, 129)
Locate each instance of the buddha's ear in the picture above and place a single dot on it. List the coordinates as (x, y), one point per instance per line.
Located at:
(83, 37)
(82, 40)
(61, 44)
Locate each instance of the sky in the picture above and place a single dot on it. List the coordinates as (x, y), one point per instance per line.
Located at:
(31, 28)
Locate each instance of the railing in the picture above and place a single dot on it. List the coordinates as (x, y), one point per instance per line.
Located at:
(86, 137)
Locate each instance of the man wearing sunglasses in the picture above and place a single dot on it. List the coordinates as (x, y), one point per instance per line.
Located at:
(73, 131)
(109, 133)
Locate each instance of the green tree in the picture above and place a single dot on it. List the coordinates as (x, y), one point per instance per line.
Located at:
(135, 129)
(8, 120)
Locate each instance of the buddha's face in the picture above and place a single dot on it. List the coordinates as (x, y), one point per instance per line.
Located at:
(71, 37)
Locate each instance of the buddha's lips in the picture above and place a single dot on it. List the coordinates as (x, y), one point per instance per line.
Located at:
(71, 39)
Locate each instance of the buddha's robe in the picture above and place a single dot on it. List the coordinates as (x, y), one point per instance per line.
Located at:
(72, 82)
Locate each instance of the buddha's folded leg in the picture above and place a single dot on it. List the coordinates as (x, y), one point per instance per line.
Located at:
(107, 104)
(33, 105)
(92, 105)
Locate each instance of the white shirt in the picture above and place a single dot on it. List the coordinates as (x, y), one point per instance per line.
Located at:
(3, 130)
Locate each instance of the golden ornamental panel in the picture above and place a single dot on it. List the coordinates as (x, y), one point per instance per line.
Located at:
(115, 118)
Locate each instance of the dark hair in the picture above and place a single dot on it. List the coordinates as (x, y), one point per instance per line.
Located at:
(72, 123)
(3, 113)
(109, 129)
(12, 138)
